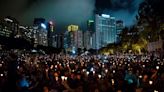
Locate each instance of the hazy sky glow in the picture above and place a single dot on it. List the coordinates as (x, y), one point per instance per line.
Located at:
(65, 12)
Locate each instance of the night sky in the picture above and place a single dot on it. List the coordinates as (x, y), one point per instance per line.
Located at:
(65, 12)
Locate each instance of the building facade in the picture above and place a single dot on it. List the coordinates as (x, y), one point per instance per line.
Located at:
(40, 32)
(119, 28)
(105, 31)
(9, 27)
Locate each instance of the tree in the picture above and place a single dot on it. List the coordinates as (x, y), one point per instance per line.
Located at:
(151, 16)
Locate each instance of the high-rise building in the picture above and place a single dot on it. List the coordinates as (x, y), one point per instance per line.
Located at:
(73, 38)
(50, 35)
(105, 31)
(87, 39)
(87, 35)
(9, 27)
(40, 31)
(119, 28)
(57, 40)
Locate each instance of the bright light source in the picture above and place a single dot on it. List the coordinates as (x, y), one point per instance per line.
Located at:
(51, 22)
(99, 76)
(62, 77)
(105, 16)
(157, 67)
(43, 26)
(150, 82)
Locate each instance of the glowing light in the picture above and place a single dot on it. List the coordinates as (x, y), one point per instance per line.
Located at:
(140, 76)
(73, 28)
(56, 78)
(87, 72)
(112, 81)
(62, 77)
(105, 16)
(51, 22)
(0, 65)
(99, 76)
(43, 26)
(150, 82)
(1, 75)
(106, 70)
(65, 78)
(157, 67)
(155, 91)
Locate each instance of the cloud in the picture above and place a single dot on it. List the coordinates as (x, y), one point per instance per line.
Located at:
(125, 10)
(63, 12)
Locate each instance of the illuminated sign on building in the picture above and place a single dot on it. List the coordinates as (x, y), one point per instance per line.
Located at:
(73, 28)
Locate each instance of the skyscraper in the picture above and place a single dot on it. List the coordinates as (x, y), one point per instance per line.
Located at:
(105, 31)
(40, 28)
(9, 27)
(50, 29)
(87, 35)
(119, 28)
(73, 38)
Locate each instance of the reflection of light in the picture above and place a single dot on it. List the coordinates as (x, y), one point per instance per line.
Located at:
(43, 25)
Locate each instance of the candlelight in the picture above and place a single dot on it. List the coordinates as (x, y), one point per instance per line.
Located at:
(99, 76)
(150, 82)
(62, 77)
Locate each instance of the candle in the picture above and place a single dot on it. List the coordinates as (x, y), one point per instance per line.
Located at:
(140, 76)
(99, 76)
(62, 77)
(93, 72)
(56, 78)
(114, 71)
(106, 70)
(1, 75)
(0, 65)
(143, 66)
(157, 67)
(150, 82)
(87, 72)
(65, 78)
(155, 91)
(112, 81)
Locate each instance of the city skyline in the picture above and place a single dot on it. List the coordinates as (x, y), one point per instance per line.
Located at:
(69, 12)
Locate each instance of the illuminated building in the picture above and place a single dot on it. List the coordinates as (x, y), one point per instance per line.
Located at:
(50, 28)
(105, 31)
(25, 33)
(57, 40)
(40, 31)
(87, 36)
(119, 28)
(9, 27)
(73, 38)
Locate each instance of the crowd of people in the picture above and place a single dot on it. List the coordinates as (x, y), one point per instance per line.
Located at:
(26, 72)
